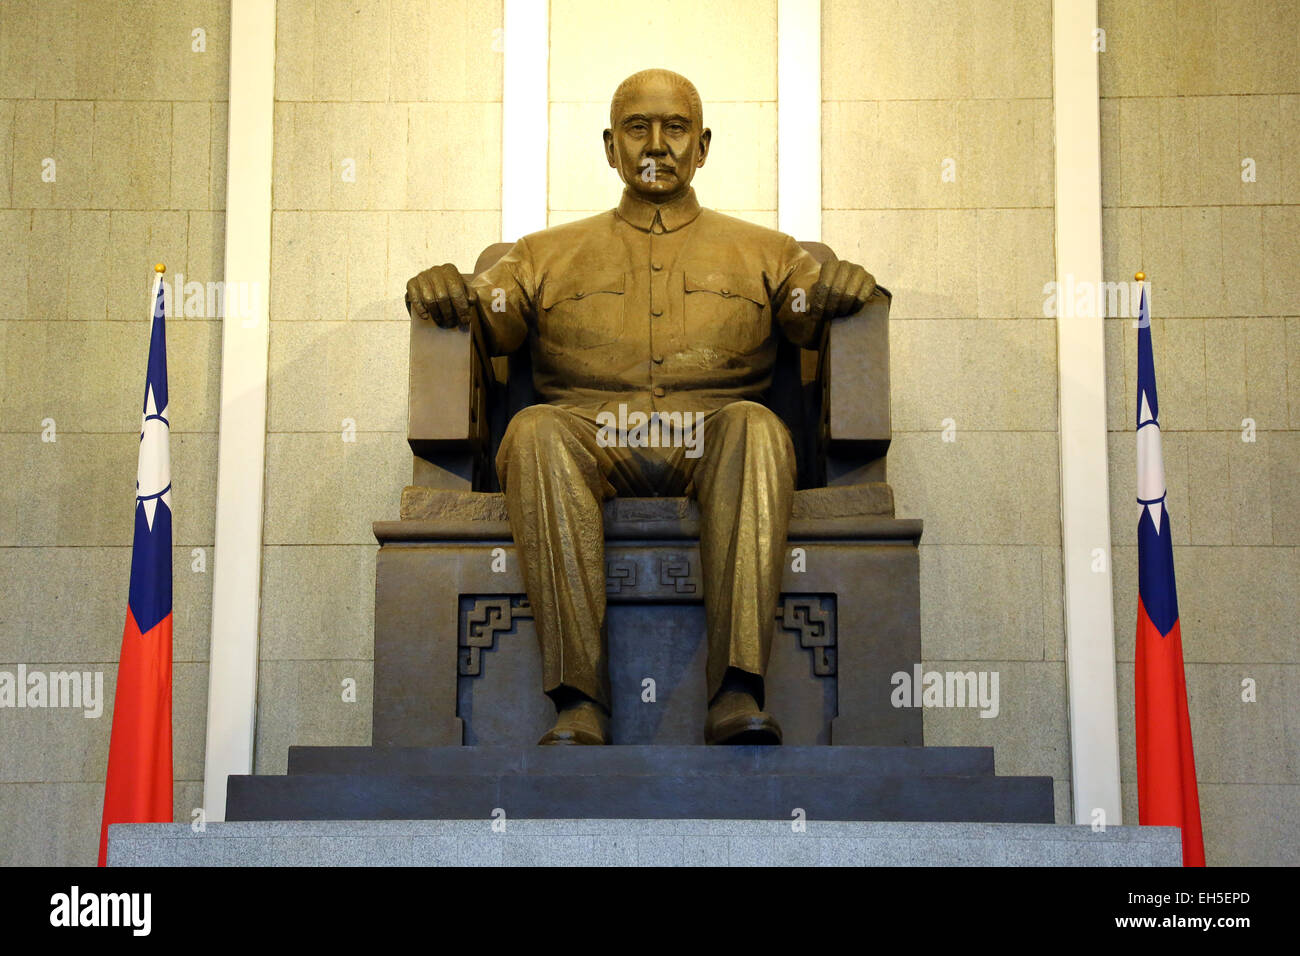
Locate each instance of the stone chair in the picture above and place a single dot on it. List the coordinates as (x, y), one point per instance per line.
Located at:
(456, 657)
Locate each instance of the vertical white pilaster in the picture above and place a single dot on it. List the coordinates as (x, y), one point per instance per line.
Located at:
(1085, 487)
(525, 113)
(237, 558)
(799, 118)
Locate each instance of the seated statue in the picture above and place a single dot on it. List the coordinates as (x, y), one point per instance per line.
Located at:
(653, 331)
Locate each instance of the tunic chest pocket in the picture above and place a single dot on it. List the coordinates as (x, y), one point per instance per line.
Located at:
(581, 312)
(726, 311)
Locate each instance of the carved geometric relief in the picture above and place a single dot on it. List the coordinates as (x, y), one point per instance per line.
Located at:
(812, 618)
(620, 575)
(676, 572)
(654, 576)
(481, 620)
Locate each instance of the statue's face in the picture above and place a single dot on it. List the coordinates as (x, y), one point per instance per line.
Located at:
(656, 143)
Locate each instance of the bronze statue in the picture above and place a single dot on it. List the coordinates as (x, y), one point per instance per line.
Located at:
(653, 332)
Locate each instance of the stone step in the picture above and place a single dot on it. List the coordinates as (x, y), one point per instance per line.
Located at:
(638, 843)
(746, 795)
(676, 760)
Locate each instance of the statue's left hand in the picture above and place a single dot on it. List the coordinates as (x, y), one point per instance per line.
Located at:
(842, 289)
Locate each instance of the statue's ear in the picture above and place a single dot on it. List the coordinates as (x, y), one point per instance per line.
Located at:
(609, 148)
(705, 137)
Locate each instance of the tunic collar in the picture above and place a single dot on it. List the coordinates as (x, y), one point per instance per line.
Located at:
(673, 215)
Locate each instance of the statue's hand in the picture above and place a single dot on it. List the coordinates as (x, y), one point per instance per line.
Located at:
(441, 294)
(842, 289)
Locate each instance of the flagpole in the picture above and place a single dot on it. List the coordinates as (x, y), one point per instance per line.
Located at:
(138, 778)
(158, 270)
(1165, 757)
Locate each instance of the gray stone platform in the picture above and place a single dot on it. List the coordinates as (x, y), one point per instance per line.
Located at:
(637, 843)
(873, 784)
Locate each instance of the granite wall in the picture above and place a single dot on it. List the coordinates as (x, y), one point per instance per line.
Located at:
(112, 158)
(937, 159)
(1201, 190)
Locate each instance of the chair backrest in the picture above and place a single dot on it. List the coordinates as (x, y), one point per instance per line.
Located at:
(461, 399)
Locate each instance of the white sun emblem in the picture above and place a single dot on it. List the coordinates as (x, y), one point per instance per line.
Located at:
(153, 477)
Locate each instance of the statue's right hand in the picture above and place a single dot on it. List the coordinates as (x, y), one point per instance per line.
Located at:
(441, 294)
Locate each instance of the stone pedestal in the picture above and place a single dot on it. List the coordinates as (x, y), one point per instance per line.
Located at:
(638, 843)
(456, 656)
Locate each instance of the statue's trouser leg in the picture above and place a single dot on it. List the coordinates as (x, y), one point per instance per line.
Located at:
(555, 477)
(744, 481)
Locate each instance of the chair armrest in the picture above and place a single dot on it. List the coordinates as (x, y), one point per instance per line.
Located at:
(855, 378)
(450, 418)
(446, 420)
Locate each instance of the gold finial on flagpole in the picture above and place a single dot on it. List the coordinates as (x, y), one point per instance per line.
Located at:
(1140, 277)
(160, 268)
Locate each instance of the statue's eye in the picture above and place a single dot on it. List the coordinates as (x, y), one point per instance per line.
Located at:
(676, 128)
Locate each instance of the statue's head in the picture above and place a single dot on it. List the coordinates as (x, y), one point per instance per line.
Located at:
(657, 137)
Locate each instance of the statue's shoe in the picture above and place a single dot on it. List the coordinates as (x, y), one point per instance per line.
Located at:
(734, 718)
(583, 723)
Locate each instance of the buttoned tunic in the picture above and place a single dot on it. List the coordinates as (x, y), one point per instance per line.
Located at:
(663, 307)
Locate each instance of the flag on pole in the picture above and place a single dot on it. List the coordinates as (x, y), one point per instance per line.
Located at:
(138, 785)
(1166, 766)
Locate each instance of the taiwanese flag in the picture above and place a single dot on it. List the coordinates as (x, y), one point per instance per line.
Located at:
(138, 786)
(1166, 768)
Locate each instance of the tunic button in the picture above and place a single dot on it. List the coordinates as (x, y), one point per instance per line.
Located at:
(656, 266)
(578, 294)
(724, 292)
(659, 359)
(656, 312)
(660, 391)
